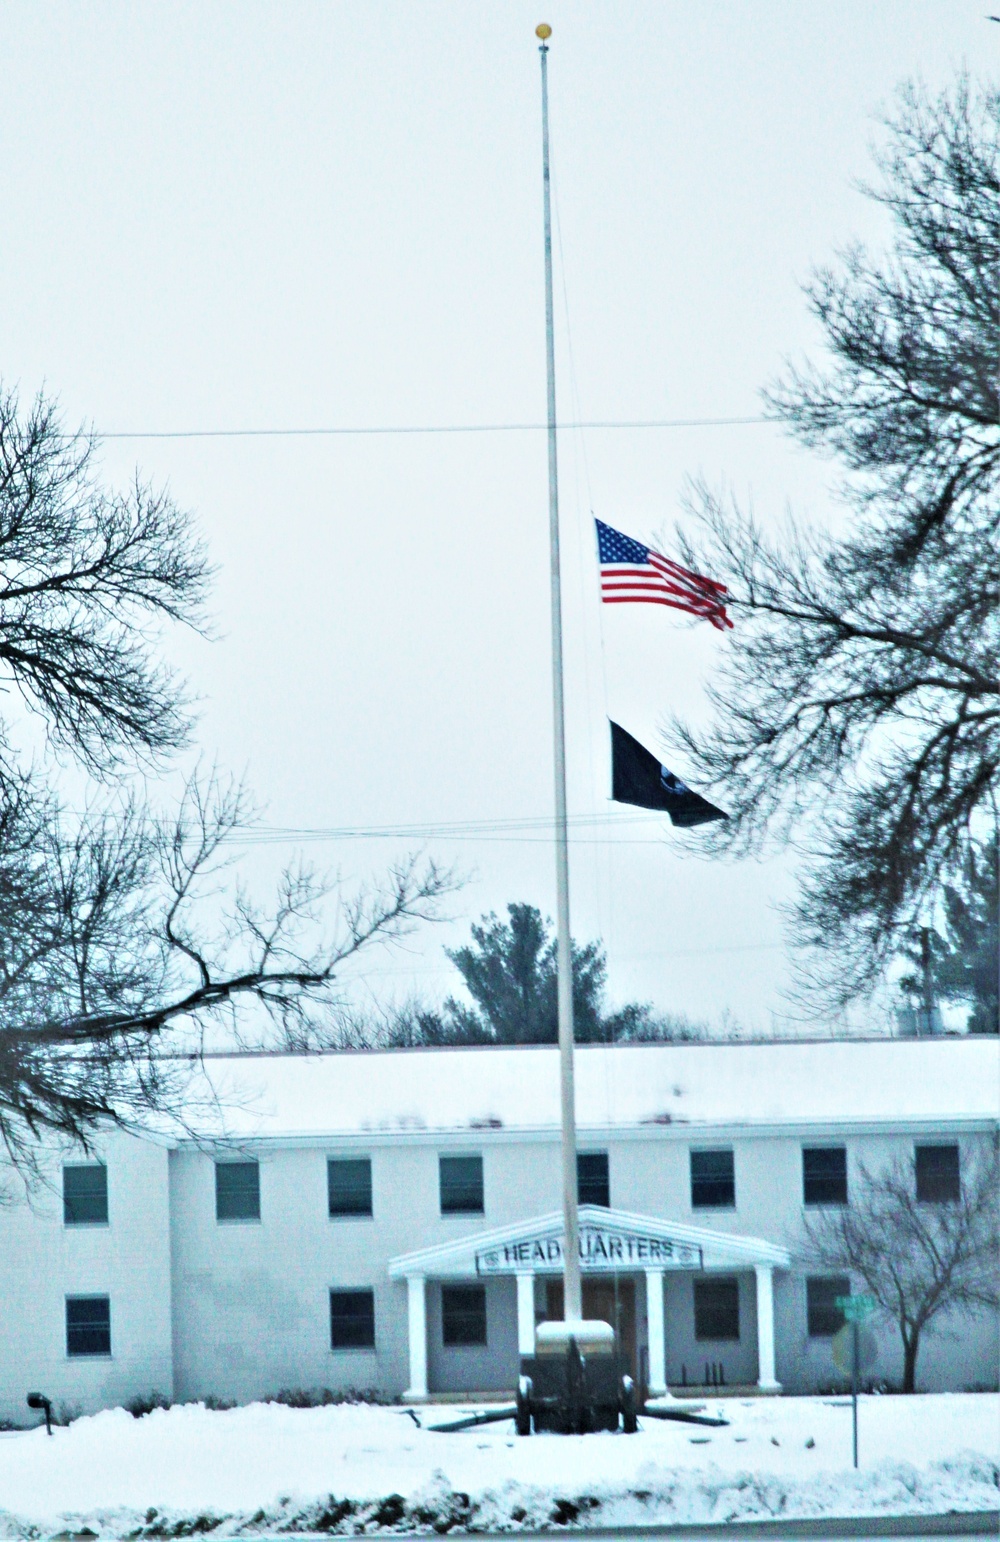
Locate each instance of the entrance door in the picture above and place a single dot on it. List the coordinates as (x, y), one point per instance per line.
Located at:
(607, 1300)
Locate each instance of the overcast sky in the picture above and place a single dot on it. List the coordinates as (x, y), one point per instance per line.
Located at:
(260, 216)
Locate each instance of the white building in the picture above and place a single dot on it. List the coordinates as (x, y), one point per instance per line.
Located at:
(390, 1221)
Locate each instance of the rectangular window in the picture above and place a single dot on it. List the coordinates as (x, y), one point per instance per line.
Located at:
(88, 1325)
(85, 1194)
(349, 1185)
(592, 1179)
(352, 1319)
(461, 1185)
(237, 1191)
(824, 1175)
(713, 1180)
(716, 1309)
(824, 1318)
(938, 1174)
(463, 1315)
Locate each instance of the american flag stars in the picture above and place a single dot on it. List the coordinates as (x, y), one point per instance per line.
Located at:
(635, 574)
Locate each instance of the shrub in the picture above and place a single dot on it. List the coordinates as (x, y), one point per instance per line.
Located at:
(146, 1402)
(322, 1397)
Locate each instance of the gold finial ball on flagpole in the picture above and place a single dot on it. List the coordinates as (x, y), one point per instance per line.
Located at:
(544, 31)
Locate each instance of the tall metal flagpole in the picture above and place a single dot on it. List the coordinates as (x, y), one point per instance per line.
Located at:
(572, 1289)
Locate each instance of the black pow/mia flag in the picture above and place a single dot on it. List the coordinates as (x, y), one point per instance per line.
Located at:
(638, 777)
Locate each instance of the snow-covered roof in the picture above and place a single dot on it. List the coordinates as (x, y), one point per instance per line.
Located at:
(805, 1082)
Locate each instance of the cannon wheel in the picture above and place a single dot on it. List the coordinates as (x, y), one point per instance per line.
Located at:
(522, 1416)
(630, 1423)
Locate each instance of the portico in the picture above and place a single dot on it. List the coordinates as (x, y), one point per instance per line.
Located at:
(614, 1246)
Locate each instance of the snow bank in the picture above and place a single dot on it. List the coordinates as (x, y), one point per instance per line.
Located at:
(267, 1468)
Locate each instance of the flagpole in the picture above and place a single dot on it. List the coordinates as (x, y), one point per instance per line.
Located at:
(572, 1288)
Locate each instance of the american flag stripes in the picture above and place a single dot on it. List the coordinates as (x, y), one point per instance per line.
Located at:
(632, 573)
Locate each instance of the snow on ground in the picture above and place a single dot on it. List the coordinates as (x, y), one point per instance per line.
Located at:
(348, 1468)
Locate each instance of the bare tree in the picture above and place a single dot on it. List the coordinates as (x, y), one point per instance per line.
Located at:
(124, 945)
(86, 575)
(119, 951)
(919, 1260)
(858, 700)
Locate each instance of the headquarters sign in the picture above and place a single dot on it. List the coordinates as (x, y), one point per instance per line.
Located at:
(602, 1250)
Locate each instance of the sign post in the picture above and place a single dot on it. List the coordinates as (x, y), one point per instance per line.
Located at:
(855, 1309)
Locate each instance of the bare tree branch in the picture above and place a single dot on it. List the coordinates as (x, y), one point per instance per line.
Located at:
(86, 575)
(118, 947)
(123, 940)
(918, 1260)
(857, 705)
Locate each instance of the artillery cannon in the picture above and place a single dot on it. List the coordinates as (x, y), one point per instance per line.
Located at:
(575, 1382)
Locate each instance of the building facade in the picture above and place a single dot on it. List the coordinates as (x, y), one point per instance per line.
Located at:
(391, 1221)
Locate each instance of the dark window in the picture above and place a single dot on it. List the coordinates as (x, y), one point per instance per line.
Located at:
(352, 1319)
(463, 1314)
(713, 1180)
(716, 1309)
(824, 1175)
(592, 1179)
(823, 1316)
(85, 1195)
(349, 1185)
(938, 1178)
(237, 1191)
(88, 1325)
(461, 1185)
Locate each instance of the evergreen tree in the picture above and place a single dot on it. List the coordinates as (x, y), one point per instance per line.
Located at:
(964, 948)
(510, 972)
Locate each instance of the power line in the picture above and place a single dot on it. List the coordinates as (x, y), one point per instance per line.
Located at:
(534, 828)
(527, 831)
(426, 968)
(422, 428)
(272, 839)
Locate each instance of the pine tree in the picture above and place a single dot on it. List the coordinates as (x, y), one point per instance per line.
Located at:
(964, 947)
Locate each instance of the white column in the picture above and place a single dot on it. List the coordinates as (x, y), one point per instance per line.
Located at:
(526, 1314)
(765, 1329)
(655, 1334)
(417, 1303)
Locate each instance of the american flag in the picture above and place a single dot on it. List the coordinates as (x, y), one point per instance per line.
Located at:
(631, 572)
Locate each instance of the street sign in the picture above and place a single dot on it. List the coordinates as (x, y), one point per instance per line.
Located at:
(842, 1349)
(855, 1308)
(852, 1347)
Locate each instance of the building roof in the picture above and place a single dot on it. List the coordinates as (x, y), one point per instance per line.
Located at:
(405, 1092)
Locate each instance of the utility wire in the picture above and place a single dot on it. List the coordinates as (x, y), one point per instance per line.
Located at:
(282, 838)
(471, 829)
(425, 968)
(421, 428)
